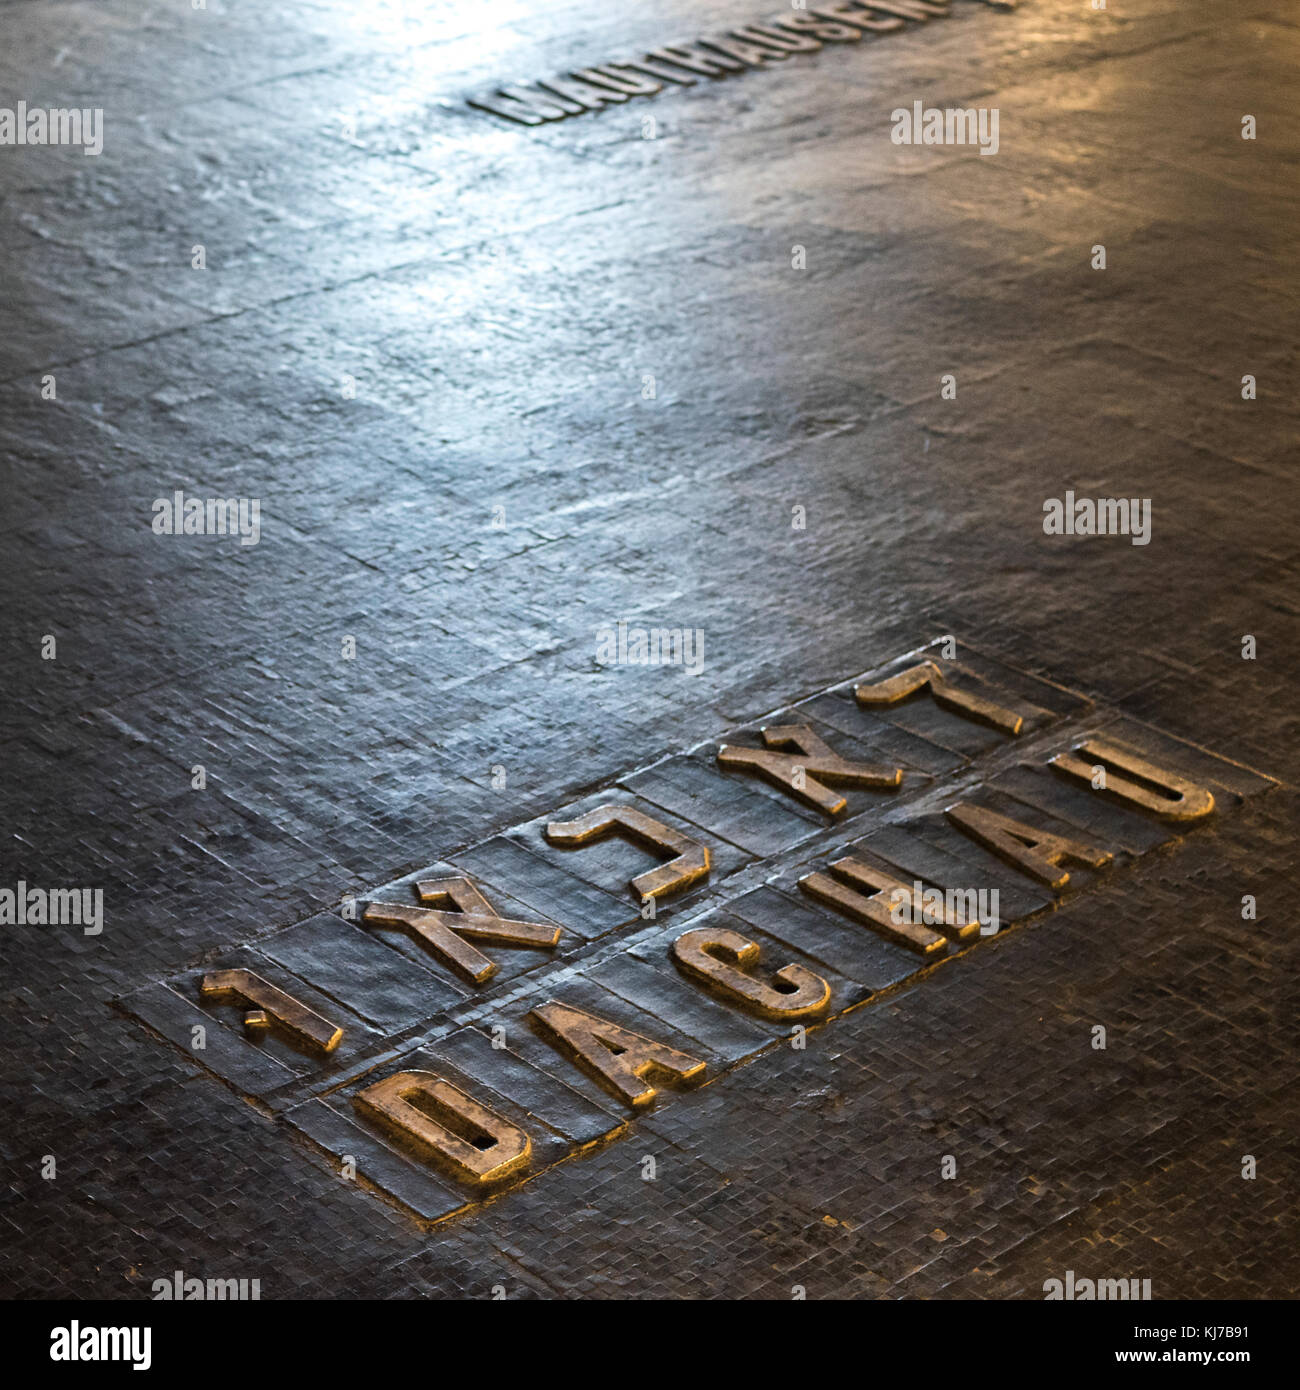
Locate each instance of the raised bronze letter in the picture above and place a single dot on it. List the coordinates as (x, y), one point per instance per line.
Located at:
(442, 932)
(619, 1058)
(715, 955)
(881, 909)
(475, 1143)
(690, 864)
(793, 773)
(899, 687)
(1036, 852)
(1183, 800)
(272, 1006)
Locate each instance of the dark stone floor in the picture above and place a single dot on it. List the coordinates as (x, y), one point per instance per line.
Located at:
(497, 487)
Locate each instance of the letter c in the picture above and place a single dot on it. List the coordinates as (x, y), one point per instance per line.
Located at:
(716, 955)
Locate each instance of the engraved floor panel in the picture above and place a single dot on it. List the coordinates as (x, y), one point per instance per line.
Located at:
(674, 364)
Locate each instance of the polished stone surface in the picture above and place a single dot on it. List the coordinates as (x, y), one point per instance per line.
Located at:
(422, 342)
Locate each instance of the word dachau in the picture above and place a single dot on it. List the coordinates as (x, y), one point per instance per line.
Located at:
(798, 30)
(807, 865)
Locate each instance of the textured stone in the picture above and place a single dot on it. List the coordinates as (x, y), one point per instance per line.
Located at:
(498, 295)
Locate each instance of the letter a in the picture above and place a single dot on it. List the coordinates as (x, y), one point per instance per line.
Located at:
(1036, 852)
(617, 1057)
